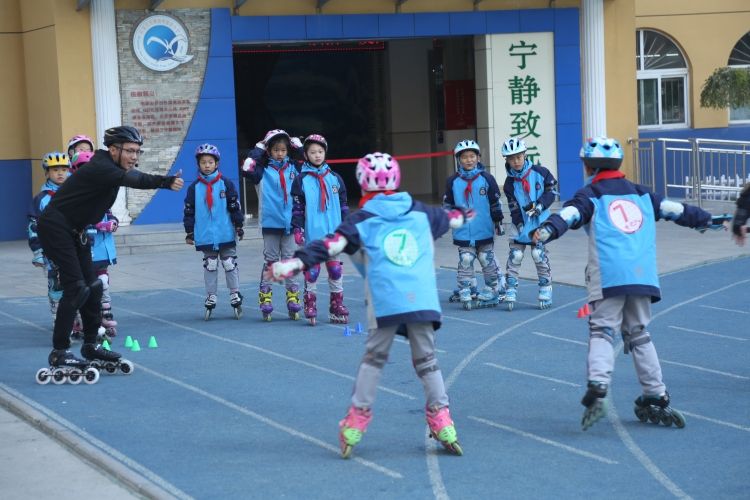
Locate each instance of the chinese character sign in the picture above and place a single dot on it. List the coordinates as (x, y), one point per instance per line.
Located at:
(523, 92)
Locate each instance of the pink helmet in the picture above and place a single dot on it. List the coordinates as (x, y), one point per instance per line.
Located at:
(80, 158)
(378, 172)
(315, 139)
(80, 138)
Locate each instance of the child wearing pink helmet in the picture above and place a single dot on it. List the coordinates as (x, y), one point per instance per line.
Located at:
(390, 241)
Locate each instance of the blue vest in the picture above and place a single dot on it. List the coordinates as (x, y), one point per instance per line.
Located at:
(103, 245)
(212, 227)
(481, 227)
(277, 214)
(319, 222)
(536, 189)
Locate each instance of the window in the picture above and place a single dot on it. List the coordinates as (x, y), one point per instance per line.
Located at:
(662, 82)
(740, 58)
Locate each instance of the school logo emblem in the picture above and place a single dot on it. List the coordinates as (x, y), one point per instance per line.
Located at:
(223, 194)
(161, 42)
(335, 189)
(400, 247)
(625, 215)
(483, 191)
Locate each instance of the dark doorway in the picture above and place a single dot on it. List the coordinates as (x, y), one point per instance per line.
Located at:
(337, 89)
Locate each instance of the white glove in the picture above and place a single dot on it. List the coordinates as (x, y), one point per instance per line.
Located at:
(248, 165)
(295, 142)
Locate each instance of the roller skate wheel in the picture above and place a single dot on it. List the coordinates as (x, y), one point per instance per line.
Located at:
(237, 312)
(678, 419)
(653, 417)
(267, 317)
(43, 376)
(666, 420)
(467, 306)
(91, 375)
(454, 448)
(346, 450)
(75, 376)
(312, 321)
(110, 367)
(126, 367)
(641, 413)
(510, 306)
(58, 376)
(207, 315)
(294, 316)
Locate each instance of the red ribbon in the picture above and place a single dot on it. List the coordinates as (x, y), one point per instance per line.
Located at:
(323, 190)
(210, 189)
(607, 174)
(524, 181)
(467, 189)
(282, 178)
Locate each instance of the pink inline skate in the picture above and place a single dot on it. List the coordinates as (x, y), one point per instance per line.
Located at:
(352, 427)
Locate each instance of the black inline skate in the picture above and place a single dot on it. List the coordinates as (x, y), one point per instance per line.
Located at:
(656, 409)
(65, 367)
(596, 406)
(102, 359)
(235, 300)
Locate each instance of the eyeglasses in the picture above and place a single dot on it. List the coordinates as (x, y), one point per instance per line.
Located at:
(132, 152)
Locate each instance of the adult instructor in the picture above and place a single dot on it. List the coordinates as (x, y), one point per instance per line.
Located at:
(81, 201)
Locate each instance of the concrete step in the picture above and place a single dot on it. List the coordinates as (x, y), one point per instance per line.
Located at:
(150, 238)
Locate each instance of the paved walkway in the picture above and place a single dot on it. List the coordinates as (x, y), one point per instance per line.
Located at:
(34, 463)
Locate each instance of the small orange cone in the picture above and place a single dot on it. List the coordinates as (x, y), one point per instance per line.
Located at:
(584, 311)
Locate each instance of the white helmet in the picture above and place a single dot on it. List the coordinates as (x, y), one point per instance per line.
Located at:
(513, 146)
(466, 145)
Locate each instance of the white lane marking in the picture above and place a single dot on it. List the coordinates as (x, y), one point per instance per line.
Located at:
(701, 332)
(454, 318)
(271, 423)
(709, 370)
(105, 448)
(716, 421)
(261, 349)
(726, 309)
(529, 374)
(562, 339)
(544, 440)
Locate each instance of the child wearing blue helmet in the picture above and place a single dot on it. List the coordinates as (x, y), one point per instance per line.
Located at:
(620, 220)
(213, 220)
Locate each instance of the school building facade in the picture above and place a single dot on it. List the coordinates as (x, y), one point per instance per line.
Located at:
(409, 77)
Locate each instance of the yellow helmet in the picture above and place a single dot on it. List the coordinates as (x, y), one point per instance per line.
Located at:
(55, 159)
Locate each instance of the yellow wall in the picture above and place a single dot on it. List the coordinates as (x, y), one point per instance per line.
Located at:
(706, 39)
(620, 74)
(14, 128)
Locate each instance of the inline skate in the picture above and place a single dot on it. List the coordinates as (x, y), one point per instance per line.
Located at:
(456, 295)
(292, 302)
(510, 292)
(656, 409)
(265, 301)
(235, 300)
(109, 361)
(65, 367)
(442, 429)
(596, 406)
(488, 297)
(210, 305)
(311, 308)
(108, 321)
(352, 427)
(545, 293)
(337, 311)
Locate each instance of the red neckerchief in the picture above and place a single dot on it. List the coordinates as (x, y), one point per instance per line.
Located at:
(282, 179)
(210, 189)
(50, 192)
(524, 181)
(607, 174)
(323, 190)
(467, 189)
(368, 195)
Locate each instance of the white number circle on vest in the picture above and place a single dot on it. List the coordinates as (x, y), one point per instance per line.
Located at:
(401, 248)
(625, 215)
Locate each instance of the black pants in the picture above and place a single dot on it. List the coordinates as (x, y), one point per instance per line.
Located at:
(64, 247)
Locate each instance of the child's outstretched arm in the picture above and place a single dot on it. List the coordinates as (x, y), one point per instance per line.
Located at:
(575, 213)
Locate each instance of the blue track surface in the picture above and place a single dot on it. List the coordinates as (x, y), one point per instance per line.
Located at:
(239, 409)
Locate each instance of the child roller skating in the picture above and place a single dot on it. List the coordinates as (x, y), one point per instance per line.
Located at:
(620, 220)
(319, 206)
(530, 190)
(392, 235)
(471, 187)
(213, 221)
(273, 165)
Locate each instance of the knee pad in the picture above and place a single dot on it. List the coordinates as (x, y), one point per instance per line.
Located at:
(311, 275)
(425, 365)
(486, 258)
(104, 278)
(376, 359)
(515, 256)
(229, 264)
(537, 253)
(603, 333)
(633, 340)
(335, 269)
(210, 263)
(465, 259)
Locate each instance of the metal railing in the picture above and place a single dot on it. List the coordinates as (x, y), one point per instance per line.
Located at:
(695, 170)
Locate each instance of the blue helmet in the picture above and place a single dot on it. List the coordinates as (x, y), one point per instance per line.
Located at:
(512, 147)
(207, 149)
(602, 153)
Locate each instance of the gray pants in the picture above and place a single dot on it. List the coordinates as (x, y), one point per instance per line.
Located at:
(486, 256)
(275, 248)
(379, 341)
(539, 255)
(227, 258)
(628, 315)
